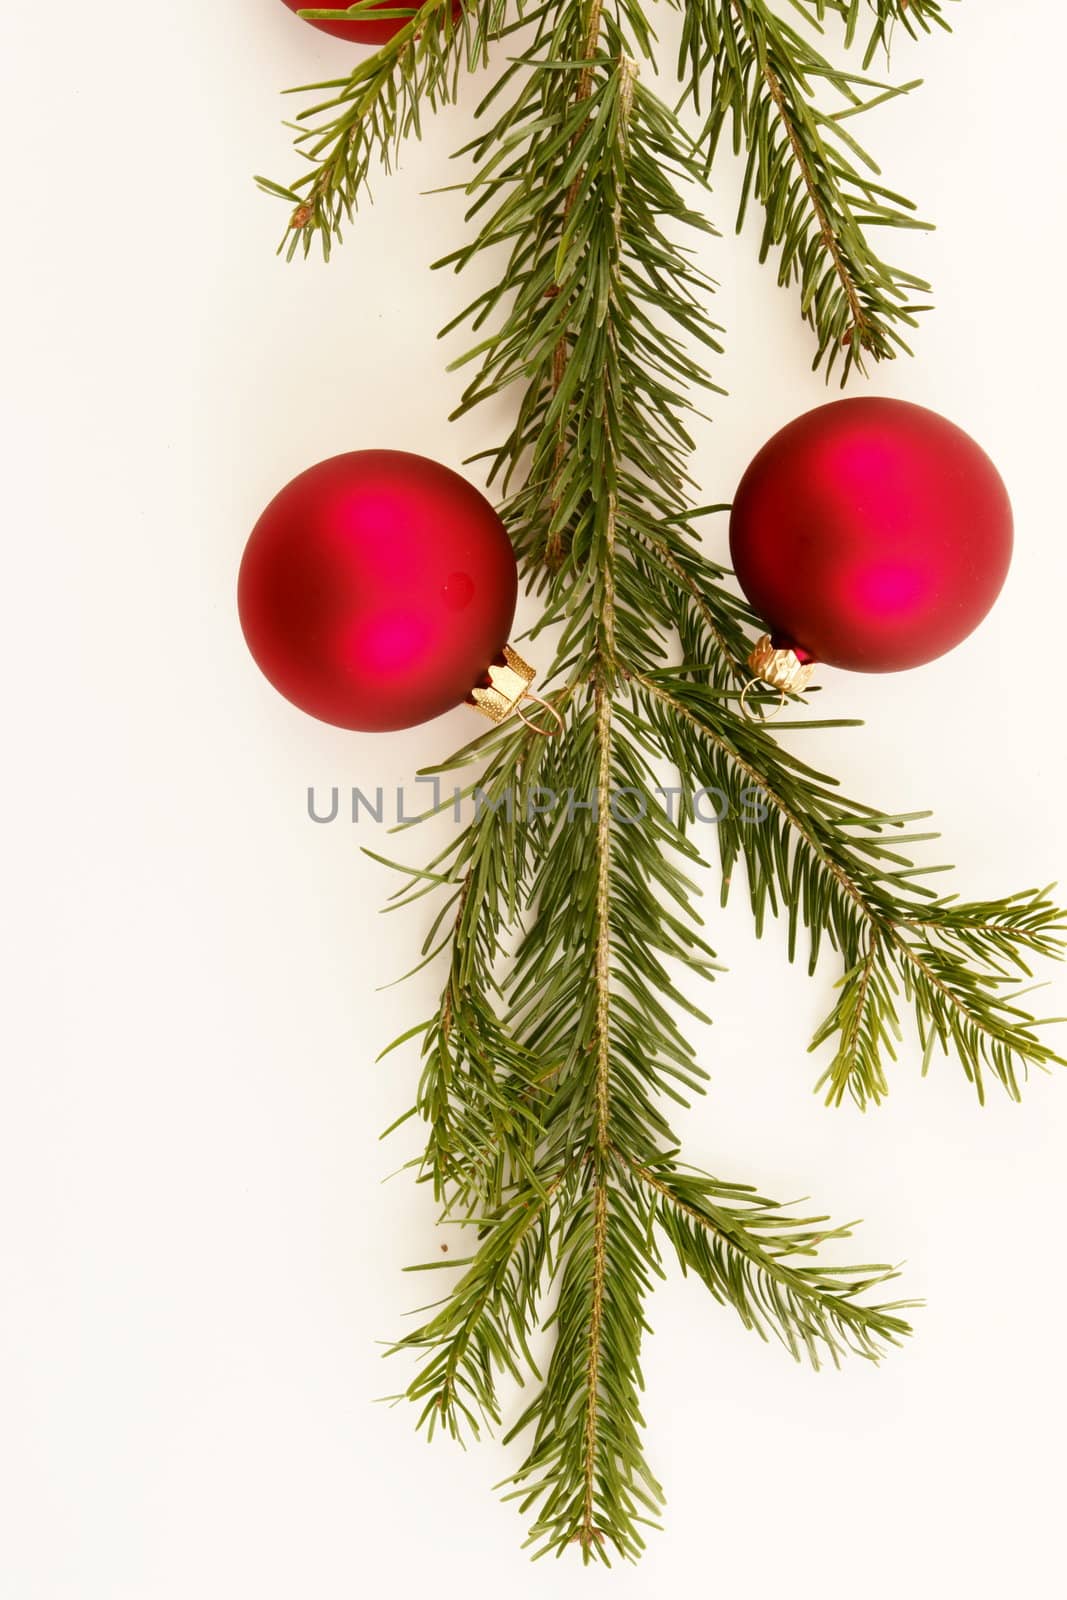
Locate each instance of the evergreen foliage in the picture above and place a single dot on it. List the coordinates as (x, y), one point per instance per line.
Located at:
(556, 1058)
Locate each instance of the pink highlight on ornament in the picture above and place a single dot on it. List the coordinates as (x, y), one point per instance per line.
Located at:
(384, 643)
(887, 590)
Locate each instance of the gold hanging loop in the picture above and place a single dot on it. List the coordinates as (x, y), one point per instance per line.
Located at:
(780, 669)
(535, 727)
(760, 714)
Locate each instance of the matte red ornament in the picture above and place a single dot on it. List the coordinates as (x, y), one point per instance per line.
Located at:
(376, 590)
(365, 29)
(871, 534)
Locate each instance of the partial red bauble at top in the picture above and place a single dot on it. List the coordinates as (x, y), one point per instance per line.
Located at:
(364, 30)
(376, 590)
(871, 534)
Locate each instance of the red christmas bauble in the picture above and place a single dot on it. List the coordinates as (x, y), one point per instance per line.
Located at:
(376, 589)
(871, 534)
(365, 30)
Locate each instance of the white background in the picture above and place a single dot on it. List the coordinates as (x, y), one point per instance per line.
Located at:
(198, 1256)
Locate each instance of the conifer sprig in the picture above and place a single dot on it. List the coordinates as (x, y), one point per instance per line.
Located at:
(883, 16)
(820, 191)
(845, 873)
(358, 123)
(556, 1059)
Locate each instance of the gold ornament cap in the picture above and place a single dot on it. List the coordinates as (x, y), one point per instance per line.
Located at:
(508, 685)
(781, 668)
(507, 689)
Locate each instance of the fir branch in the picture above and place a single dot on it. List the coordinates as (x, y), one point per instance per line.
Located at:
(914, 16)
(556, 1050)
(749, 1252)
(818, 187)
(551, 338)
(484, 1325)
(367, 116)
(585, 1473)
(479, 1091)
(837, 869)
(585, 999)
(961, 1007)
(864, 1020)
